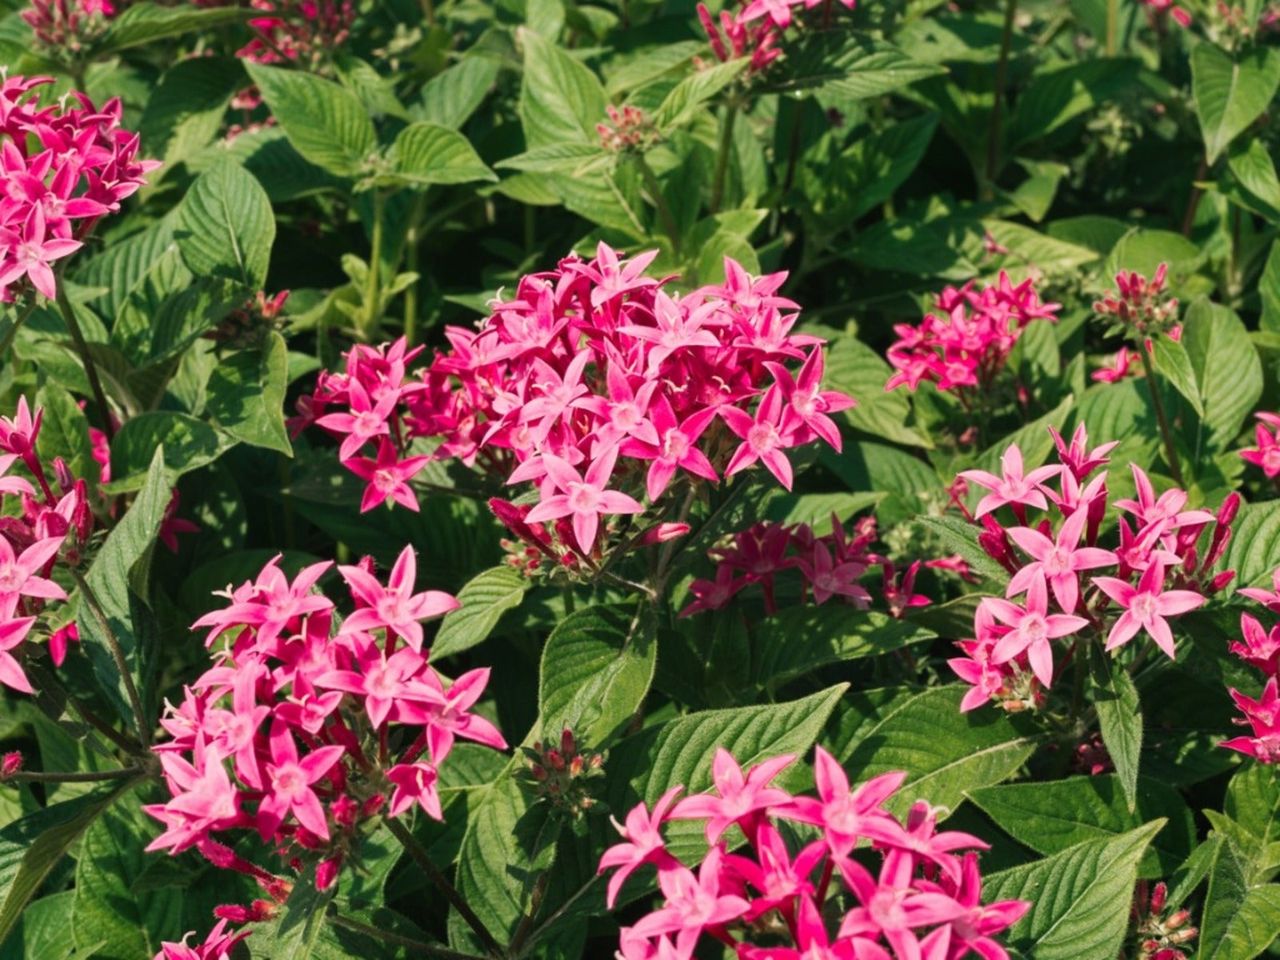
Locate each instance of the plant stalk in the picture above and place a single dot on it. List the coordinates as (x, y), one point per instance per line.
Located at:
(90, 370)
(96, 776)
(372, 291)
(722, 157)
(997, 107)
(117, 654)
(660, 202)
(1113, 26)
(420, 857)
(1170, 453)
(413, 946)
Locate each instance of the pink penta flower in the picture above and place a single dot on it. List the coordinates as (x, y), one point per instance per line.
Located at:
(1146, 606)
(394, 607)
(1267, 452)
(289, 782)
(741, 796)
(584, 498)
(762, 437)
(18, 577)
(1032, 627)
(12, 634)
(1167, 508)
(365, 421)
(644, 843)
(675, 446)
(694, 902)
(1059, 561)
(1263, 717)
(415, 783)
(29, 251)
(218, 945)
(1260, 649)
(844, 814)
(808, 405)
(1014, 486)
(1076, 456)
(387, 476)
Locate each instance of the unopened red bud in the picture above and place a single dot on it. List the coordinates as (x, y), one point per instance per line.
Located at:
(1177, 920)
(1159, 894)
(1185, 935)
(575, 766)
(327, 872)
(568, 744)
(10, 764)
(554, 760)
(1221, 580)
(1230, 507)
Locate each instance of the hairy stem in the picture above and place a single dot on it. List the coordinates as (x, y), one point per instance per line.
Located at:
(372, 291)
(413, 946)
(48, 683)
(997, 108)
(660, 202)
(97, 776)
(117, 654)
(421, 858)
(722, 157)
(90, 370)
(1170, 453)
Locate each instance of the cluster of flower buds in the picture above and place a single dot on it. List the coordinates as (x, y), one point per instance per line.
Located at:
(246, 325)
(965, 342)
(1160, 937)
(63, 167)
(66, 27)
(756, 29)
(1260, 649)
(564, 774)
(1161, 571)
(829, 566)
(302, 733)
(1267, 453)
(1140, 306)
(627, 129)
(820, 900)
(298, 31)
(598, 387)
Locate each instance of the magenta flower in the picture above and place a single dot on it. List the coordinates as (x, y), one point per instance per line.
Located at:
(675, 445)
(270, 604)
(447, 713)
(18, 577)
(290, 781)
(381, 680)
(394, 607)
(1076, 456)
(714, 594)
(415, 783)
(1146, 606)
(830, 578)
(694, 902)
(1013, 487)
(675, 328)
(29, 251)
(762, 437)
(1032, 628)
(1267, 452)
(1059, 561)
(365, 421)
(1167, 508)
(388, 477)
(18, 433)
(644, 843)
(1263, 718)
(1260, 649)
(740, 798)
(218, 945)
(844, 814)
(808, 405)
(585, 499)
(975, 928)
(12, 485)
(613, 277)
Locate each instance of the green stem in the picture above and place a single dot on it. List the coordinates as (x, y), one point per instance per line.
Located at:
(1113, 26)
(997, 108)
(660, 202)
(117, 654)
(12, 332)
(412, 239)
(90, 370)
(48, 683)
(423, 860)
(722, 156)
(1170, 453)
(413, 946)
(96, 776)
(372, 292)
(1193, 199)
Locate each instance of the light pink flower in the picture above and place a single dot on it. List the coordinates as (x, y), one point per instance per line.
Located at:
(1013, 486)
(1146, 606)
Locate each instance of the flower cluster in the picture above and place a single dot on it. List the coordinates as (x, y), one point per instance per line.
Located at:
(965, 342)
(1267, 453)
(829, 566)
(756, 29)
(67, 26)
(1159, 8)
(1055, 558)
(301, 732)
(1260, 649)
(218, 945)
(596, 385)
(49, 526)
(925, 899)
(1160, 936)
(1139, 309)
(628, 128)
(298, 31)
(64, 166)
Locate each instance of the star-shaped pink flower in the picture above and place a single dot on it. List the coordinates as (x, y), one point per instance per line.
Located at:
(1146, 606)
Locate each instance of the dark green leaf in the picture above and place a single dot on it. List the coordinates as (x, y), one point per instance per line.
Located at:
(325, 122)
(483, 601)
(246, 395)
(1230, 94)
(226, 227)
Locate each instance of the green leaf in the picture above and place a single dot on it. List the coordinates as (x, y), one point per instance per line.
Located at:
(847, 64)
(1227, 369)
(1056, 97)
(64, 432)
(324, 121)
(1238, 921)
(106, 909)
(300, 931)
(1171, 362)
(426, 153)
(686, 100)
(958, 536)
(859, 371)
(1079, 898)
(144, 23)
(118, 578)
(483, 601)
(866, 174)
(1120, 719)
(945, 753)
(1269, 290)
(226, 226)
(188, 444)
(245, 395)
(1050, 817)
(32, 846)
(453, 95)
(1254, 548)
(1254, 172)
(1231, 94)
(1253, 801)
(186, 109)
(801, 639)
(557, 158)
(596, 669)
(561, 100)
(42, 934)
